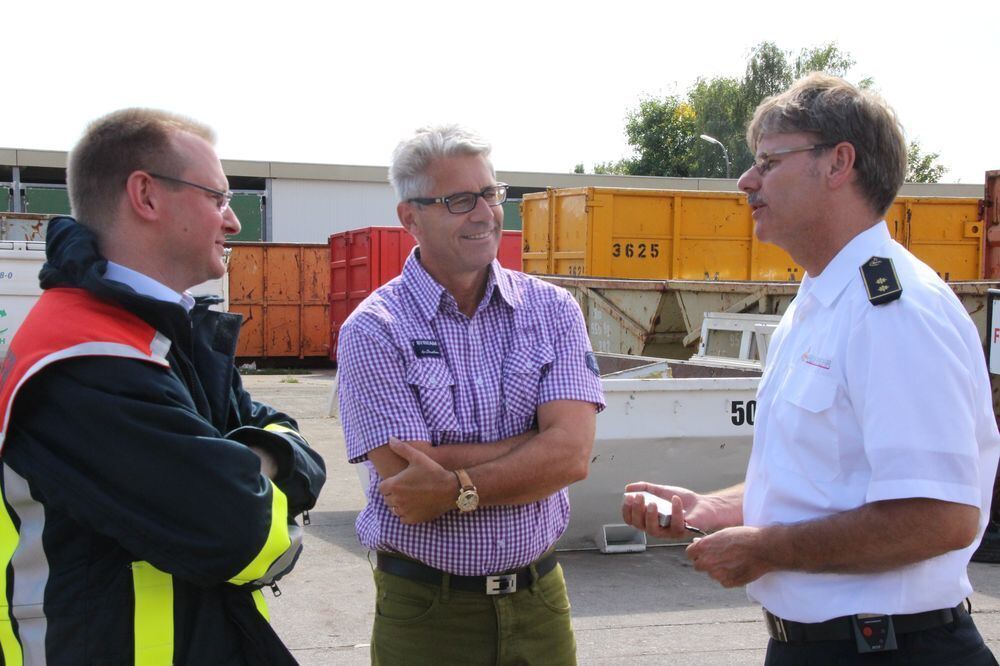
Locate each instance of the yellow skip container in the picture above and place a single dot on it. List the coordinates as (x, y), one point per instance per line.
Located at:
(697, 235)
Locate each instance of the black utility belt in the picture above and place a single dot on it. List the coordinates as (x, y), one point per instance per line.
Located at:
(871, 632)
(505, 583)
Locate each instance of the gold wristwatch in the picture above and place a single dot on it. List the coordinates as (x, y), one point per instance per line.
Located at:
(468, 496)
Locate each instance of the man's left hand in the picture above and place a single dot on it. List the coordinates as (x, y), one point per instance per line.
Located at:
(268, 465)
(733, 556)
(421, 492)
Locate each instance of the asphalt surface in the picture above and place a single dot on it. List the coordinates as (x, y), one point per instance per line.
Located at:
(634, 608)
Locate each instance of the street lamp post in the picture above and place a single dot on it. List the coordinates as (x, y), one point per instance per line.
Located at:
(725, 153)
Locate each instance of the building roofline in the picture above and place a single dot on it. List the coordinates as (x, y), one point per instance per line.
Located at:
(21, 157)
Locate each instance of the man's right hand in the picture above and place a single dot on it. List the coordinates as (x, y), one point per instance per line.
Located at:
(720, 509)
(686, 505)
(422, 491)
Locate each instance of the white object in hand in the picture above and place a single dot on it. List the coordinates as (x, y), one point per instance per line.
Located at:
(663, 506)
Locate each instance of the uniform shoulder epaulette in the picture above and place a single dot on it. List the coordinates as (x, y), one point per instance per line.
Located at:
(880, 280)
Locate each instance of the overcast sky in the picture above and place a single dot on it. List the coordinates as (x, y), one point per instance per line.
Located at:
(549, 83)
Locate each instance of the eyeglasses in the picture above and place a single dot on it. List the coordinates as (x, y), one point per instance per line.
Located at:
(763, 162)
(463, 202)
(222, 199)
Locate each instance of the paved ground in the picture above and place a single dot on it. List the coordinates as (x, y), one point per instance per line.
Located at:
(639, 608)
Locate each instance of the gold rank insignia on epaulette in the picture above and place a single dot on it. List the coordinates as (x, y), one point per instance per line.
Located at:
(880, 280)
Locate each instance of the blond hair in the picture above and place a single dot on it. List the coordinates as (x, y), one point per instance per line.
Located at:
(117, 145)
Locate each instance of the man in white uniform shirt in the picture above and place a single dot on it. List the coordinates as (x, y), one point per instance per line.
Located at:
(875, 447)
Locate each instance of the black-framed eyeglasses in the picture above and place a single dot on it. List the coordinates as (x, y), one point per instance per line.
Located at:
(763, 161)
(222, 199)
(463, 202)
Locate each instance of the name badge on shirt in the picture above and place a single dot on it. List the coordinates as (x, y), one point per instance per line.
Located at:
(817, 361)
(592, 363)
(426, 348)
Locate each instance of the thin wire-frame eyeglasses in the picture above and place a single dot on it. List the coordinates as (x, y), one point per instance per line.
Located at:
(222, 199)
(763, 161)
(463, 202)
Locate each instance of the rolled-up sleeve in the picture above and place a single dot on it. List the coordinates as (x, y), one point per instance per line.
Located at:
(573, 374)
(375, 400)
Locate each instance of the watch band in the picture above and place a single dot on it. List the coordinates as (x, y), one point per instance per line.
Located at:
(464, 482)
(468, 496)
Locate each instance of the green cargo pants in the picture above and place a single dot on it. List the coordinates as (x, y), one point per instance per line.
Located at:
(417, 623)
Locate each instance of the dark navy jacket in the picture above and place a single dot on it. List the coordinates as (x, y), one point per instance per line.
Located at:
(136, 526)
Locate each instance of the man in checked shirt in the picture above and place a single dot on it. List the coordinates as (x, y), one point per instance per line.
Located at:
(470, 392)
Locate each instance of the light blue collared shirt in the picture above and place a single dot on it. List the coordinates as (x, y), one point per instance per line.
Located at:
(147, 286)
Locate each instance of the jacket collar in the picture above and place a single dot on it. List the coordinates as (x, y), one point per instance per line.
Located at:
(73, 259)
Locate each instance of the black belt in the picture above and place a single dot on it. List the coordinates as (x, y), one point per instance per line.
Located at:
(505, 583)
(841, 628)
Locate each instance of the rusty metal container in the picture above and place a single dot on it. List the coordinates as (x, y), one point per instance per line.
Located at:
(991, 218)
(663, 318)
(282, 291)
(23, 226)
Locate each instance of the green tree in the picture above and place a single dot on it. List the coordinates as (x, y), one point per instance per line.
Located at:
(663, 132)
(827, 58)
(619, 168)
(720, 110)
(921, 167)
(768, 72)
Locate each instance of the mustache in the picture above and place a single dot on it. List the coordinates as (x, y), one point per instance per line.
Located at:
(755, 199)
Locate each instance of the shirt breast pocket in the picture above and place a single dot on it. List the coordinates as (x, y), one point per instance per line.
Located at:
(804, 422)
(523, 372)
(434, 386)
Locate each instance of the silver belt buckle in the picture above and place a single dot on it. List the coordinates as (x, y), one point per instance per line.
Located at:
(501, 584)
(782, 634)
(779, 627)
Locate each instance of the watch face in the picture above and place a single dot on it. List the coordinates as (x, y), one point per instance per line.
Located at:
(467, 500)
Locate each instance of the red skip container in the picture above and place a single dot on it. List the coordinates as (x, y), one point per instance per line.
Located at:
(363, 260)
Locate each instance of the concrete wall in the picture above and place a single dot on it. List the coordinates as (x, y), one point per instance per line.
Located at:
(308, 211)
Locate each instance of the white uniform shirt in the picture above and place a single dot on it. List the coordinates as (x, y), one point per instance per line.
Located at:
(861, 403)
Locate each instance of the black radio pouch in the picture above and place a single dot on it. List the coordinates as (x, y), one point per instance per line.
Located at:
(873, 633)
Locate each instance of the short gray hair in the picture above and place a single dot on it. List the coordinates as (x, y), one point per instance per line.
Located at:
(413, 156)
(112, 148)
(838, 111)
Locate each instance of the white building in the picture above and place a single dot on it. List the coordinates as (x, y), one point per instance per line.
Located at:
(305, 203)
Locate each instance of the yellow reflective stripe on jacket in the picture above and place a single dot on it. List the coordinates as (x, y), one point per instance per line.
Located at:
(277, 542)
(276, 427)
(154, 615)
(10, 646)
(258, 601)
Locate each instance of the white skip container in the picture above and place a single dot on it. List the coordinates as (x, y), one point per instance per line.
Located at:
(682, 423)
(20, 262)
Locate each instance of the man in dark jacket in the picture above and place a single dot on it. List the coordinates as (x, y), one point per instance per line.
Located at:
(147, 497)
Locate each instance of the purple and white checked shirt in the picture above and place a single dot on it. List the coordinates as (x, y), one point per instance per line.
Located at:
(412, 366)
